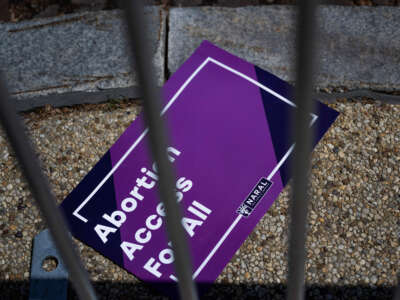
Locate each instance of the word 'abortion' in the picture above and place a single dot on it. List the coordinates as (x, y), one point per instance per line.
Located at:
(198, 214)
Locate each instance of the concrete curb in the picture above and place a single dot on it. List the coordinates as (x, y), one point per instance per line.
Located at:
(359, 46)
(83, 58)
(77, 52)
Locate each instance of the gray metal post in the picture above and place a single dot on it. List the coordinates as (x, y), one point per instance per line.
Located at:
(158, 142)
(300, 170)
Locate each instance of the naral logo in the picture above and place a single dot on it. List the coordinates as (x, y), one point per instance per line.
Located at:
(248, 205)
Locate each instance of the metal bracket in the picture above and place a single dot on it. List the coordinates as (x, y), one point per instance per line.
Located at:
(46, 285)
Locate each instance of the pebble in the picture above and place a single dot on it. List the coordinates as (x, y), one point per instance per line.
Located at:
(353, 214)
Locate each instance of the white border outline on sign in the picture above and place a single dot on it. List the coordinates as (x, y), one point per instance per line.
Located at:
(239, 217)
(173, 99)
(140, 138)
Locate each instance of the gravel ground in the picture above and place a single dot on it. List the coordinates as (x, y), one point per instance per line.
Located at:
(354, 217)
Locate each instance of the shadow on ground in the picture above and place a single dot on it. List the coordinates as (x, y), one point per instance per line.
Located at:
(119, 290)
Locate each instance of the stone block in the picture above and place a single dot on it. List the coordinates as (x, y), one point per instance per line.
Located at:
(358, 47)
(76, 52)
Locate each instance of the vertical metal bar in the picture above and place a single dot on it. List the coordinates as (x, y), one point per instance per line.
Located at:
(397, 292)
(158, 142)
(41, 192)
(299, 200)
(4, 12)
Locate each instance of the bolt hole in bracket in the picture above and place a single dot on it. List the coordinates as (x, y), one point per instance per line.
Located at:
(50, 263)
(49, 277)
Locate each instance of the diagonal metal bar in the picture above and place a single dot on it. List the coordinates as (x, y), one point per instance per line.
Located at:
(42, 193)
(158, 142)
(300, 170)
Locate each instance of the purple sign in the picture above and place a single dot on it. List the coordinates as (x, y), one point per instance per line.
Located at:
(231, 148)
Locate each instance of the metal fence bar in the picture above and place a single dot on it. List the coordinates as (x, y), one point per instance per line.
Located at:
(158, 142)
(306, 23)
(396, 295)
(42, 193)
